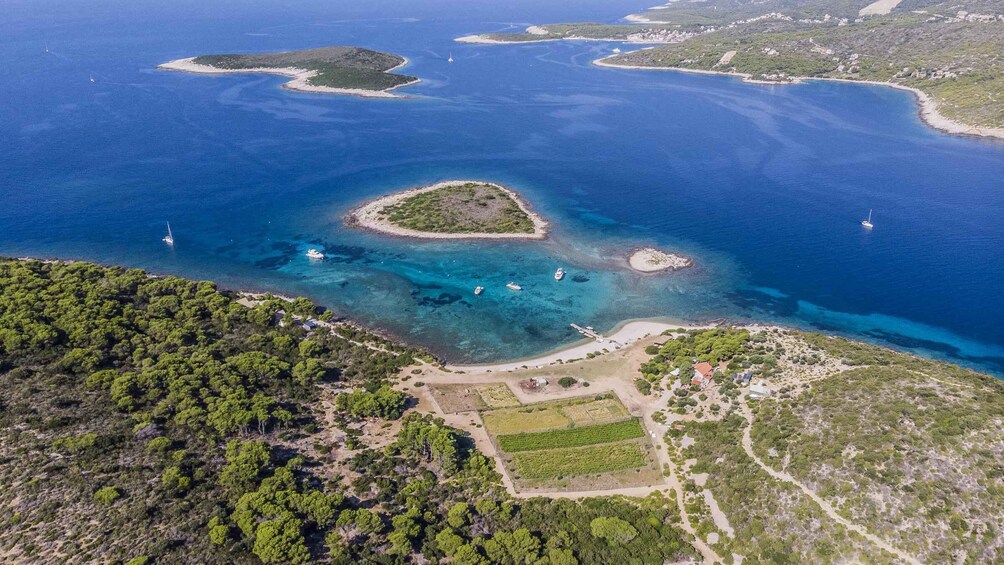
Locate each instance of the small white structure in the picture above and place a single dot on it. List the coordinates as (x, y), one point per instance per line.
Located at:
(539, 381)
(760, 391)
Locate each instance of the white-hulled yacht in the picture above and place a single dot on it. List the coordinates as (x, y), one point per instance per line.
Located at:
(169, 238)
(868, 223)
(513, 286)
(559, 274)
(314, 254)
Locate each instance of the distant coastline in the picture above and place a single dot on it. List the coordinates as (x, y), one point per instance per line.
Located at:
(368, 216)
(482, 39)
(928, 107)
(300, 82)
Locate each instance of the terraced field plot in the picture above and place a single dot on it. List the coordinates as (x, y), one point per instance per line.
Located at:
(498, 396)
(466, 398)
(603, 458)
(555, 414)
(572, 437)
(585, 443)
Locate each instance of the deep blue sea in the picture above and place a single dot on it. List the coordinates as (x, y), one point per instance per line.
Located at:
(764, 186)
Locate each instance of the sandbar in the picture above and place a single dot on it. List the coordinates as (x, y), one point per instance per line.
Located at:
(650, 260)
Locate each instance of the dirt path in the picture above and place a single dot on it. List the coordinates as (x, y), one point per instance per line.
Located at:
(658, 432)
(825, 506)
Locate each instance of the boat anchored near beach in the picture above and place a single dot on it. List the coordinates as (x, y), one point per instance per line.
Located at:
(169, 238)
(314, 254)
(559, 274)
(478, 290)
(513, 286)
(868, 223)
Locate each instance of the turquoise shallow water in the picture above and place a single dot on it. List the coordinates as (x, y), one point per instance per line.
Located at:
(764, 186)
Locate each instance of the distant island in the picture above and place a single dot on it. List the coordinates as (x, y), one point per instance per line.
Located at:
(329, 70)
(946, 54)
(456, 209)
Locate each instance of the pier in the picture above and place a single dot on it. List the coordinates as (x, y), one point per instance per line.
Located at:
(587, 332)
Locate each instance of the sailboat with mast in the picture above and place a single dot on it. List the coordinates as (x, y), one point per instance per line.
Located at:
(450, 60)
(868, 223)
(169, 238)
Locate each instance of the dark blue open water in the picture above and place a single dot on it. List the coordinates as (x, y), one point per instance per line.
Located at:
(764, 186)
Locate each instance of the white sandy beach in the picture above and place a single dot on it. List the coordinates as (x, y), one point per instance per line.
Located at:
(928, 106)
(650, 260)
(368, 216)
(300, 78)
(627, 334)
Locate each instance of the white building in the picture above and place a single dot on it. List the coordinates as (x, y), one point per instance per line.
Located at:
(760, 391)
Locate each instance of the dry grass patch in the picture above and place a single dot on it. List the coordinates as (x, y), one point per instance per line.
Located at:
(498, 395)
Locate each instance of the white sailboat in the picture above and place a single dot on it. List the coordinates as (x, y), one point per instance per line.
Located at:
(450, 60)
(513, 286)
(868, 223)
(314, 254)
(169, 238)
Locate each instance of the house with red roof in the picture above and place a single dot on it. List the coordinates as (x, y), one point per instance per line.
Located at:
(703, 372)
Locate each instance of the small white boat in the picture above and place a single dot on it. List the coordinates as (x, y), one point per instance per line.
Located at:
(450, 60)
(868, 223)
(617, 50)
(478, 290)
(169, 238)
(314, 254)
(559, 274)
(92, 78)
(513, 286)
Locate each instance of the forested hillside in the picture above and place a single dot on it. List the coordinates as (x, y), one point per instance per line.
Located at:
(150, 419)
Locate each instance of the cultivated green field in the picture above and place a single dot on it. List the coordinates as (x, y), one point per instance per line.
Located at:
(573, 437)
(584, 443)
(593, 459)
